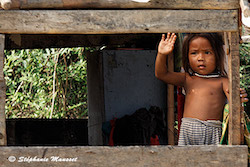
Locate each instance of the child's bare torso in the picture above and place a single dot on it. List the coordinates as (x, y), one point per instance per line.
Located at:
(205, 98)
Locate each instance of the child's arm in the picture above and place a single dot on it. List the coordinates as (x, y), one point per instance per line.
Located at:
(165, 47)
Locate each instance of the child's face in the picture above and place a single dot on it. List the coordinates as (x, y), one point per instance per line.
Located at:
(201, 56)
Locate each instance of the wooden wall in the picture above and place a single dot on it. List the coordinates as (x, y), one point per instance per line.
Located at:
(161, 156)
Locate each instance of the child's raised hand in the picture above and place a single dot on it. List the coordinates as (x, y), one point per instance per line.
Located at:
(166, 45)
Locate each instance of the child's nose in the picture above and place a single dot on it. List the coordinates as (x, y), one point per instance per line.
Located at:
(200, 57)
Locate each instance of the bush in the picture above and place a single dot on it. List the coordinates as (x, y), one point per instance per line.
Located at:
(46, 83)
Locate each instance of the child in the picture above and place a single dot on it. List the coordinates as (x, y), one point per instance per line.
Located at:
(205, 82)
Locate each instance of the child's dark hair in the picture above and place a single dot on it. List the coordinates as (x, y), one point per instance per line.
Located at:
(216, 42)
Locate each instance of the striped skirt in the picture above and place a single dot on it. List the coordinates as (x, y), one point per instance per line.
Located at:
(197, 132)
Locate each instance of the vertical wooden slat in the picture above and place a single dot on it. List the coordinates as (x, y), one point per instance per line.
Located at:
(3, 137)
(170, 104)
(95, 98)
(235, 132)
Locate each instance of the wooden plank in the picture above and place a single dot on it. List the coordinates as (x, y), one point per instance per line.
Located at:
(95, 98)
(235, 131)
(23, 41)
(163, 156)
(110, 22)
(167, 4)
(170, 104)
(3, 137)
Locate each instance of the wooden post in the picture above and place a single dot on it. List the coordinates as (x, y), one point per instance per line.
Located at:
(170, 104)
(235, 131)
(95, 98)
(3, 137)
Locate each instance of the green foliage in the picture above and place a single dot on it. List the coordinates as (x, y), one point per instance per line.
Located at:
(46, 83)
(245, 69)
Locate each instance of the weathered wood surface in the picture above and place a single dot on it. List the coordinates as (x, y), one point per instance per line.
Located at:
(95, 98)
(3, 137)
(235, 132)
(112, 41)
(116, 21)
(169, 4)
(170, 104)
(161, 156)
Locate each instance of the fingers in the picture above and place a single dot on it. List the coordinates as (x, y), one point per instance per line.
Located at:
(168, 36)
(171, 37)
(242, 90)
(163, 37)
(244, 100)
(243, 95)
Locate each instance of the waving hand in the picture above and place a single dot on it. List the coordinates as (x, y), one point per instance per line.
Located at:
(166, 45)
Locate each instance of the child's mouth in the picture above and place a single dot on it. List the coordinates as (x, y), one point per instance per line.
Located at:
(201, 66)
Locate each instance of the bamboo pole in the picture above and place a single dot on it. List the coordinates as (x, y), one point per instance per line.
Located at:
(54, 87)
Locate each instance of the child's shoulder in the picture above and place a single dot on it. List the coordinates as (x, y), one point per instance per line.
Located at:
(224, 78)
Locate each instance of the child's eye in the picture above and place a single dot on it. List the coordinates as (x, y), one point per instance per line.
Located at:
(208, 52)
(193, 53)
